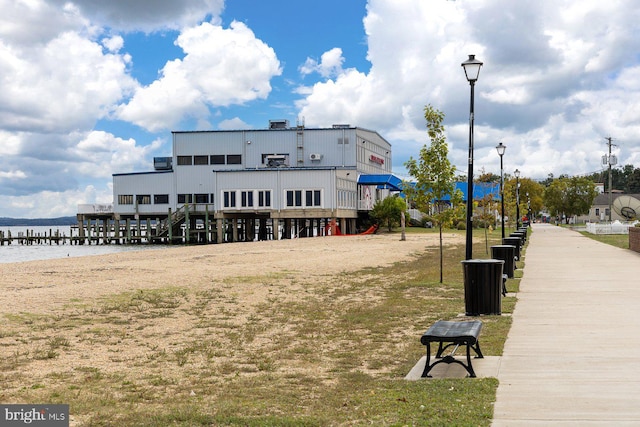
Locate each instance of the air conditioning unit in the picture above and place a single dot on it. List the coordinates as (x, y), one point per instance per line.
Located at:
(315, 156)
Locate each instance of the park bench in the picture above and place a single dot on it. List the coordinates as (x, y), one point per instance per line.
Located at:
(452, 334)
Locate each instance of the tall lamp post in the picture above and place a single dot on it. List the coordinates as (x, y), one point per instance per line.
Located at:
(501, 149)
(517, 175)
(472, 71)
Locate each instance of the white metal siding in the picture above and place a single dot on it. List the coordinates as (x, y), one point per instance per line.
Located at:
(143, 184)
(335, 173)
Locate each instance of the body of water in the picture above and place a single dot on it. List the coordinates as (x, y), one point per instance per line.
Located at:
(20, 253)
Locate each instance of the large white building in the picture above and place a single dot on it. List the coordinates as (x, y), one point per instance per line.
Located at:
(244, 184)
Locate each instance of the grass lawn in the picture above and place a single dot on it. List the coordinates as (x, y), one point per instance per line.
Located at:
(365, 334)
(619, 240)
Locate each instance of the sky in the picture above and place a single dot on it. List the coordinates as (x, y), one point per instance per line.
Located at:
(89, 88)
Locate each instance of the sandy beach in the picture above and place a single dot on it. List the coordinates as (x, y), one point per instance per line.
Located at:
(45, 286)
(163, 317)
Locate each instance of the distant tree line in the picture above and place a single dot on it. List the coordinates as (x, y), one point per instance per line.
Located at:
(625, 179)
(19, 222)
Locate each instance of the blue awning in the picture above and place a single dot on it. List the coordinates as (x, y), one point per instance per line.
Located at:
(386, 181)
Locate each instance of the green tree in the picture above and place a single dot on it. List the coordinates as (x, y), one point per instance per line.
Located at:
(570, 196)
(388, 211)
(434, 175)
(528, 186)
(633, 182)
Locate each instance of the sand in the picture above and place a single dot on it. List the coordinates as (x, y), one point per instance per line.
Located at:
(46, 286)
(163, 317)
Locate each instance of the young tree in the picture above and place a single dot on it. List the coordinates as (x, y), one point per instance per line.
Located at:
(433, 174)
(388, 211)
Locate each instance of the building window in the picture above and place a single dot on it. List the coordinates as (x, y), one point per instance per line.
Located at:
(143, 199)
(185, 160)
(229, 199)
(125, 199)
(343, 141)
(185, 198)
(217, 159)
(246, 199)
(202, 198)
(294, 198)
(312, 198)
(160, 199)
(264, 198)
(597, 211)
(200, 160)
(234, 159)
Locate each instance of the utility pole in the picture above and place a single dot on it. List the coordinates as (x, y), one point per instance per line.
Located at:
(609, 160)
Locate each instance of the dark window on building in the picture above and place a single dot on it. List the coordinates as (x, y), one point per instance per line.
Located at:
(125, 199)
(185, 198)
(294, 198)
(200, 160)
(229, 199)
(217, 159)
(264, 198)
(343, 140)
(312, 198)
(143, 199)
(185, 160)
(246, 199)
(202, 198)
(234, 159)
(160, 199)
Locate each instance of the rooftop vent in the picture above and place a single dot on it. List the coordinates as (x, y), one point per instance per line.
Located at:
(278, 124)
(341, 126)
(162, 163)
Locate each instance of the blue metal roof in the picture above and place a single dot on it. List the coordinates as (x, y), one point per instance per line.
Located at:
(392, 182)
(480, 190)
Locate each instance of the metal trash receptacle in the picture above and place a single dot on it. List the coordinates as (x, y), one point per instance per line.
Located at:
(506, 253)
(482, 286)
(521, 235)
(513, 241)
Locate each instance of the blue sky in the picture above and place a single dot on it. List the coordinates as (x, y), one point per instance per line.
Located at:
(91, 88)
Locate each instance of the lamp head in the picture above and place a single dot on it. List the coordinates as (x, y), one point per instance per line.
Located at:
(516, 173)
(472, 68)
(501, 148)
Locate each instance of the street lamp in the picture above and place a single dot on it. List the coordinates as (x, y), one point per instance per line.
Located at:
(471, 71)
(517, 175)
(501, 149)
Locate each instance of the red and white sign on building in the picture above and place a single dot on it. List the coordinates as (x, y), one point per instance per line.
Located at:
(376, 159)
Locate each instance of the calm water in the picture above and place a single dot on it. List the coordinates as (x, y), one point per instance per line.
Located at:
(19, 253)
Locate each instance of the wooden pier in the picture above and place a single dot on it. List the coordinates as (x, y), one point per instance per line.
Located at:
(191, 224)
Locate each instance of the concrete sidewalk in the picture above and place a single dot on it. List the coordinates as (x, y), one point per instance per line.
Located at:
(572, 356)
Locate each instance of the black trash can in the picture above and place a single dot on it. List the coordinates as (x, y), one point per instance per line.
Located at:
(514, 241)
(521, 235)
(482, 286)
(506, 253)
